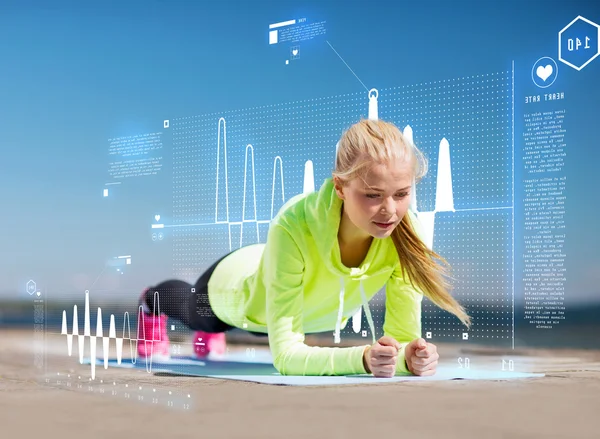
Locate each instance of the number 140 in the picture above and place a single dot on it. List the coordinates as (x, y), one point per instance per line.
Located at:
(571, 44)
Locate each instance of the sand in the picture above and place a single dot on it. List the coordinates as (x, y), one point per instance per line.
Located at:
(564, 404)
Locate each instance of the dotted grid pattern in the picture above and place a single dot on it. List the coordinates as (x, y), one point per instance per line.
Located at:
(295, 132)
(472, 113)
(478, 245)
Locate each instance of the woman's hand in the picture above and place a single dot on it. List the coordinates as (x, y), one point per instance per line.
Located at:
(380, 359)
(421, 357)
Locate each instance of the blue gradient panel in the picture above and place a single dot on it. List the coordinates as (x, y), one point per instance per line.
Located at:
(172, 132)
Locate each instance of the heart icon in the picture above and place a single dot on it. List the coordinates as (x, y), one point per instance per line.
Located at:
(157, 217)
(38, 294)
(295, 52)
(544, 72)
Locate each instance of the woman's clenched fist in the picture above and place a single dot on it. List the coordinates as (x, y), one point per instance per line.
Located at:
(381, 358)
(421, 357)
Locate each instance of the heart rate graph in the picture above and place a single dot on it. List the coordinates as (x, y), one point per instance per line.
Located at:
(254, 219)
(444, 200)
(148, 340)
(222, 200)
(222, 185)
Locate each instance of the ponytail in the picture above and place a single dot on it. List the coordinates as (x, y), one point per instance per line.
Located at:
(424, 273)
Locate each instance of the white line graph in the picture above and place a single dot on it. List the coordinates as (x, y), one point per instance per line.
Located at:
(111, 335)
(308, 184)
(444, 198)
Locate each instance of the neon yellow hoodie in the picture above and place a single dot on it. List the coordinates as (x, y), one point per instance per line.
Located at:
(296, 284)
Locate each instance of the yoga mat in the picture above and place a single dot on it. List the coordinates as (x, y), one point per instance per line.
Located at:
(261, 370)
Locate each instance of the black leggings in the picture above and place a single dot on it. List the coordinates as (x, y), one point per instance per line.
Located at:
(176, 300)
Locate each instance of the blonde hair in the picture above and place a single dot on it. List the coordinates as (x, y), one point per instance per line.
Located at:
(369, 142)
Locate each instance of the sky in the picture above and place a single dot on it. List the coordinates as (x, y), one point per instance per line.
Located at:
(75, 77)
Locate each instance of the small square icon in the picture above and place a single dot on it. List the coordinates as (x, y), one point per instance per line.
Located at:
(465, 336)
(287, 61)
(273, 37)
(364, 333)
(244, 325)
(172, 327)
(428, 335)
(166, 123)
(106, 192)
(128, 261)
(193, 290)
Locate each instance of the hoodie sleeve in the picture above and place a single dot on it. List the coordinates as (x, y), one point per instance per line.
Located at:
(402, 315)
(283, 280)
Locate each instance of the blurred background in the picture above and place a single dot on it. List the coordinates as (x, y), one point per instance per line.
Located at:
(142, 140)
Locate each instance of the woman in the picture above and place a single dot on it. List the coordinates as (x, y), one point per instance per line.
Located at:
(327, 254)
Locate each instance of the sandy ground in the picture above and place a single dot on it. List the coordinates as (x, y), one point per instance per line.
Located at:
(564, 404)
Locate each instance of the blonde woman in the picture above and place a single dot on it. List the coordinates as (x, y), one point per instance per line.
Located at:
(327, 254)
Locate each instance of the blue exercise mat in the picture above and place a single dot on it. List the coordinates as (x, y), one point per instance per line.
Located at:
(262, 371)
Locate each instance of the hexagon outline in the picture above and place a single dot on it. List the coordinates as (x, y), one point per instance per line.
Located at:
(579, 17)
(31, 281)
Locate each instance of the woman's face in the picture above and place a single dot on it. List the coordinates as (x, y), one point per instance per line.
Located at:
(376, 204)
